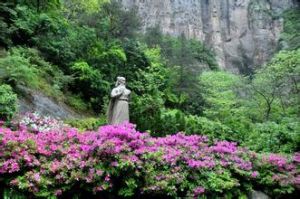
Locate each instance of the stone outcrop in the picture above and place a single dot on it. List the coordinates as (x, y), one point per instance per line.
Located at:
(258, 195)
(243, 33)
(34, 101)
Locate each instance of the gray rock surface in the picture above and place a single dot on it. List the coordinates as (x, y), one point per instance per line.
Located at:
(243, 33)
(34, 101)
(258, 195)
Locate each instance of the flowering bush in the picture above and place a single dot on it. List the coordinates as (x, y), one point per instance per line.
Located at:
(36, 122)
(121, 161)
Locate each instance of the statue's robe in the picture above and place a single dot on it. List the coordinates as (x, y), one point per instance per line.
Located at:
(118, 109)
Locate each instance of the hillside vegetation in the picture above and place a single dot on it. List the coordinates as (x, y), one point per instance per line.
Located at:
(72, 51)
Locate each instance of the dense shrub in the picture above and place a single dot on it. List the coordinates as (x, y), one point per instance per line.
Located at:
(76, 102)
(17, 70)
(118, 160)
(87, 123)
(8, 102)
(90, 83)
(26, 67)
(272, 136)
(172, 120)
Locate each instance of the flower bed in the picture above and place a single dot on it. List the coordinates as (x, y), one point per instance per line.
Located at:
(123, 162)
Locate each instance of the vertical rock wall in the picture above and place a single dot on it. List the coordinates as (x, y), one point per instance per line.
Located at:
(243, 33)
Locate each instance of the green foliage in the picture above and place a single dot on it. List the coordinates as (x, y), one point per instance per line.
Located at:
(204, 126)
(223, 102)
(7, 13)
(8, 102)
(174, 120)
(290, 38)
(129, 189)
(261, 113)
(41, 5)
(114, 21)
(109, 59)
(25, 66)
(271, 136)
(221, 181)
(25, 24)
(219, 93)
(64, 44)
(12, 194)
(86, 124)
(18, 70)
(188, 57)
(276, 86)
(73, 7)
(90, 83)
(150, 87)
(76, 102)
(188, 53)
(51, 73)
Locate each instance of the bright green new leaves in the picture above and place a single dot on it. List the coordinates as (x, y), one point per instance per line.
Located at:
(17, 70)
(8, 102)
(89, 6)
(276, 86)
(219, 92)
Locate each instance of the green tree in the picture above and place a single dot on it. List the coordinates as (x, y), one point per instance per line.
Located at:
(113, 22)
(89, 82)
(17, 70)
(150, 90)
(223, 95)
(276, 86)
(74, 8)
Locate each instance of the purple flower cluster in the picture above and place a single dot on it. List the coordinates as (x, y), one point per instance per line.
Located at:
(98, 160)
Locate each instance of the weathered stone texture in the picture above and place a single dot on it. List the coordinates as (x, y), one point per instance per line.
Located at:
(243, 33)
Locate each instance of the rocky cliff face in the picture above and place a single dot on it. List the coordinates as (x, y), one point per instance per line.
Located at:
(243, 33)
(35, 101)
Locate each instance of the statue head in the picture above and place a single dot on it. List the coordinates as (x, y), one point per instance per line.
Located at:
(120, 81)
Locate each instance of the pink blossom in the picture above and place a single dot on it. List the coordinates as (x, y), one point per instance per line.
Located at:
(277, 160)
(296, 157)
(114, 164)
(198, 191)
(107, 178)
(37, 177)
(254, 174)
(99, 172)
(14, 182)
(65, 156)
(58, 192)
(224, 147)
(200, 164)
(297, 180)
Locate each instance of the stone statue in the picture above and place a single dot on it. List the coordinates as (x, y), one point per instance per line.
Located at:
(118, 110)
